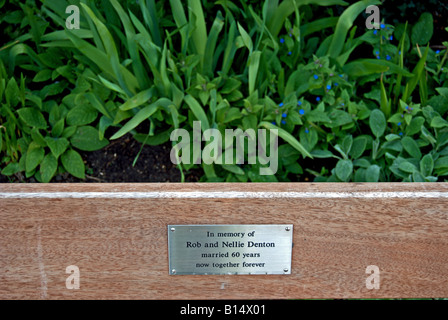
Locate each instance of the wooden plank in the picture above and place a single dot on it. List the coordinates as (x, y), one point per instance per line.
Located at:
(117, 235)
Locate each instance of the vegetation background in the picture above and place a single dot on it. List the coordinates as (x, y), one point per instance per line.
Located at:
(98, 104)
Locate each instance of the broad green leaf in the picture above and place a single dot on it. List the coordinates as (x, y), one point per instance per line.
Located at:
(438, 122)
(81, 115)
(426, 165)
(411, 147)
(365, 67)
(358, 147)
(373, 173)
(57, 145)
(72, 162)
(377, 123)
(10, 169)
(423, 30)
(87, 139)
(441, 163)
(32, 117)
(48, 168)
(408, 167)
(34, 156)
(344, 169)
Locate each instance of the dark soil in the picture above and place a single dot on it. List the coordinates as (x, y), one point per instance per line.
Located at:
(114, 164)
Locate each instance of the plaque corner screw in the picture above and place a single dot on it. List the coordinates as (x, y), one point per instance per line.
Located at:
(285, 270)
(288, 228)
(173, 229)
(173, 271)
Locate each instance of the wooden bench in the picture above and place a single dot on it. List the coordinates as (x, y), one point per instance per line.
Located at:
(116, 234)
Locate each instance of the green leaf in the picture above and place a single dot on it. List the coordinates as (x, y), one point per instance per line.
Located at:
(34, 156)
(426, 165)
(141, 116)
(441, 163)
(233, 168)
(32, 117)
(137, 100)
(366, 67)
(423, 30)
(198, 111)
(345, 22)
(373, 173)
(81, 115)
(358, 147)
(288, 138)
(72, 162)
(377, 123)
(344, 169)
(57, 145)
(10, 169)
(48, 168)
(408, 167)
(415, 126)
(254, 63)
(411, 147)
(438, 122)
(87, 139)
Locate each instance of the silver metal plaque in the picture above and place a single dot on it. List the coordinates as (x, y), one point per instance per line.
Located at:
(230, 249)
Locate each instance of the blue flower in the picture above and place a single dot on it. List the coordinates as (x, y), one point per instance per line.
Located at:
(336, 84)
(301, 112)
(281, 104)
(438, 51)
(316, 77)
(377, 52)
(329, 87)
(401, 133)
(341, 76)
(391, 38)
(407, 107)
(388, 57)
(299, 103)
(307, 130)
(378, 57)
(284, 115)
(375, 32)
(318, 99)
(274, 123)
(399, 52)
(282, 40)
(399, 123)
(289, 53)
(383, 26)
(283, 122)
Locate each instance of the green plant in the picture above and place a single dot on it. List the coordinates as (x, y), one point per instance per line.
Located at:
(43, 127)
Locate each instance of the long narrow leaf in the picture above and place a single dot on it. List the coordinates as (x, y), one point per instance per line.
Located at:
(288, 138)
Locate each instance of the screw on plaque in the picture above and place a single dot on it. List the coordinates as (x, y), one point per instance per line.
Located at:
(288, 228)
(173, 271)
(285, 270)
(173, 229)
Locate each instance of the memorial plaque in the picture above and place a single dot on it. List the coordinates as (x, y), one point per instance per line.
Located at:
(230, 249)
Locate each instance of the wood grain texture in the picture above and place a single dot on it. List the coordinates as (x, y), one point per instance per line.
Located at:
(120, 245)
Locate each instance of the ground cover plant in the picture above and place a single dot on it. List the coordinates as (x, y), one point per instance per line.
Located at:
(349, 103)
